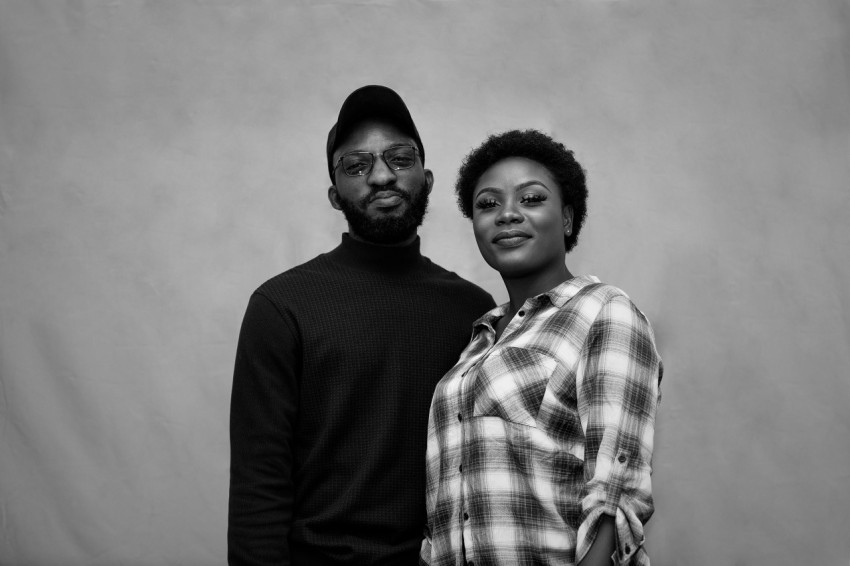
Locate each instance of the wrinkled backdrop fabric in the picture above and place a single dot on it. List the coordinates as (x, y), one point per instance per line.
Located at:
(159, 160)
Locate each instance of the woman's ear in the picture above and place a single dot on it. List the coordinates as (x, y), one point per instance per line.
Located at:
(568, 220)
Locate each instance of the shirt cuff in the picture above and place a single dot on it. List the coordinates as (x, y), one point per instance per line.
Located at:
(629, 535)
(425, 552)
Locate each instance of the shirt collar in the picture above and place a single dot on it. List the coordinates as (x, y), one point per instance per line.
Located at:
(568, 289)
(558, 296)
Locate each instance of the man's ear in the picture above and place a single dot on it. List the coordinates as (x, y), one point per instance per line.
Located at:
(429, 178)
(333, 197)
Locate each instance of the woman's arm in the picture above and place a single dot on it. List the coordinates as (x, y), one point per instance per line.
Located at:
(617, 395)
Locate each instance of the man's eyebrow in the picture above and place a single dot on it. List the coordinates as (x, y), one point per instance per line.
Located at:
(393, 145)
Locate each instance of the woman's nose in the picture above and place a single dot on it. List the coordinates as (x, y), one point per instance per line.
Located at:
(509, 215)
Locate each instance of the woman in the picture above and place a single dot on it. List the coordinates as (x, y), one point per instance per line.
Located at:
(540, 438)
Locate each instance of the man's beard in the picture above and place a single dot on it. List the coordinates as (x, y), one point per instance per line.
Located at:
(388, 229)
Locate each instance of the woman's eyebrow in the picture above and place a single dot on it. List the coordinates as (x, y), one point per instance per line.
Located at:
(493, 190)
(523, 185)
(529, 183)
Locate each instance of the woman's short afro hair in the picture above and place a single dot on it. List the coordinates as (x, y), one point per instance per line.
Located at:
(536, 146)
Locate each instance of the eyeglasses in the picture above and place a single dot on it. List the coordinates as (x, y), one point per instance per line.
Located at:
(359, 163)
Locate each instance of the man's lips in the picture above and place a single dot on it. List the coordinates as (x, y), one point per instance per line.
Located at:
(510, 238)
(387, 198)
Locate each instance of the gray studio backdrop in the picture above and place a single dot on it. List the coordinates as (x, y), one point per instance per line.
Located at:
(159, 160)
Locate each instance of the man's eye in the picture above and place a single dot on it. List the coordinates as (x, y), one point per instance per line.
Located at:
(401, 161)
(402, 157)
(356, 164)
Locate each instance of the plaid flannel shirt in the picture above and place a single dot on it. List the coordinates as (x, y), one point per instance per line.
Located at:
(532, 438)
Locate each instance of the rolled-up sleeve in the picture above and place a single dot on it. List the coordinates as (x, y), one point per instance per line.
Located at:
(425, 552)
(618, 392)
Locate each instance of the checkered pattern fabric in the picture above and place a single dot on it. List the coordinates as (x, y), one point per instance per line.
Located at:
(532, 438)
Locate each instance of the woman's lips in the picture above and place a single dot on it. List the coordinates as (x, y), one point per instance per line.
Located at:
(510, 238)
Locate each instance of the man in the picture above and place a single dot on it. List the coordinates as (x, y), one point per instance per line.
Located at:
(337, 361)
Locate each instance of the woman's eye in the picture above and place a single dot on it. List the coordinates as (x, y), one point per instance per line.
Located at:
(486, 203)
(532, 198)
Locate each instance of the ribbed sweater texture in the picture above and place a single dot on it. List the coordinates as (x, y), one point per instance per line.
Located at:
(335, 367)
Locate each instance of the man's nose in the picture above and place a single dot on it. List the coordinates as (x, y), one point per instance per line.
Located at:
(381, 174)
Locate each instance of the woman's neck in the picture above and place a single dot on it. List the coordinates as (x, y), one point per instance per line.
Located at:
(521, 288)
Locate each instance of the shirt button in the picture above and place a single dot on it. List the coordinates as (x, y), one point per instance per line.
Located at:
(466, 516)
(622, 458)
(628, 549)
(521, 313)
(459, 417)
(460, 468)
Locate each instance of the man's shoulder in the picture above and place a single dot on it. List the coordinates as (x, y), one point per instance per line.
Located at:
(298, 281)
(457, 283)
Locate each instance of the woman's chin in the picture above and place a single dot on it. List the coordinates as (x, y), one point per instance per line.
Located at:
(511, 270)
(521, 268)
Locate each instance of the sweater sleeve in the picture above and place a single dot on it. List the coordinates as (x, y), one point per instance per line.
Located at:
(263, 411)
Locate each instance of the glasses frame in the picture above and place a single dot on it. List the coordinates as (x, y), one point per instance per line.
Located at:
(374, 157)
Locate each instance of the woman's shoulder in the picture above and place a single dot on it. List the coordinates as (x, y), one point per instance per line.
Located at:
(591, 287)
(595, 295)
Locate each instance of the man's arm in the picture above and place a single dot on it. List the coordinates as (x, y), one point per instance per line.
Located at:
(263, 410)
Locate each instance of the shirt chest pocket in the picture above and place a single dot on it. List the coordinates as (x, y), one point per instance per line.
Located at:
(510, 384)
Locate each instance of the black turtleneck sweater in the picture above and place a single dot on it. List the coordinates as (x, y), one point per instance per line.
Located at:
(335, 367)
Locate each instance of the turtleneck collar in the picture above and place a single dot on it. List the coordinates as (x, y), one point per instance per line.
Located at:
(371, 256)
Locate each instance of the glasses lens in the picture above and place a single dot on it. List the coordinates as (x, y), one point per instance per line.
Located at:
(357, 163)
(400, 157)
